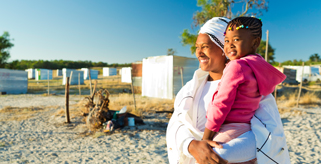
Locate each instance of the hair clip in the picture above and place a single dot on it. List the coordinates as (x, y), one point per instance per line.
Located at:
(260, 19)
(229, 28)
(247, 27)
(253, 16)
(241, 26)
(224, 33)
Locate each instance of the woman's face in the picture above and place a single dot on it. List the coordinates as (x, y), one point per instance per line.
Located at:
(209, 54)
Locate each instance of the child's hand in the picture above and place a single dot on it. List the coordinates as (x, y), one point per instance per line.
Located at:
(214, 144)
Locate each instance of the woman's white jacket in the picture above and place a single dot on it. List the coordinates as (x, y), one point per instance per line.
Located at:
(266, 125)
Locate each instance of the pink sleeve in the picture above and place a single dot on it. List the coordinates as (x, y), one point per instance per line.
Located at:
(223, 99)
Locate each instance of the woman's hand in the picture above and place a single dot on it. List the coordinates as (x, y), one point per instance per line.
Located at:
(203, 152)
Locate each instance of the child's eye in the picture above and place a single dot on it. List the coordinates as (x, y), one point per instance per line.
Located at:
(226, 41)
(236, 39)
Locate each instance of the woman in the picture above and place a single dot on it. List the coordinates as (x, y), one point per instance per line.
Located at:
(185, 129)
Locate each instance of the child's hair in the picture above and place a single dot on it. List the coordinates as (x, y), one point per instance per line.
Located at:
(251, 23)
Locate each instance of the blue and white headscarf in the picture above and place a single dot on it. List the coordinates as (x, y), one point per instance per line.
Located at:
(215, 29)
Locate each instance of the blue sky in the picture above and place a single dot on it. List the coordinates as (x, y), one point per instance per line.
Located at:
(130, 30)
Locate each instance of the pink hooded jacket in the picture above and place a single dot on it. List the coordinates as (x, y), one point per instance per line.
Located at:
(237, 97)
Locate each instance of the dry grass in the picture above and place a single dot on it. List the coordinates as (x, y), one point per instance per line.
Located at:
(143, 104)
(18, 114)
(99, 134)
(290, 99)
(112, 83)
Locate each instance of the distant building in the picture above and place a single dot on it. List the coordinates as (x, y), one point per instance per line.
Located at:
(31, 73)
(126, 75)
(109, 71)
(307, 70)
(75, 76)
(43, 74)
(13, 81)
(162, 75)
(59, 72)
(93, 73)
(137, 73)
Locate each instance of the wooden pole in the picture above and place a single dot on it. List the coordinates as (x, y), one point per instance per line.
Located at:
(297, 103)
(70, 77)
(90, 88)
(267, 45)
(94, 90)
(79, 84)
(48, 84)
(67, 100)
(181, 70)
(133, 92)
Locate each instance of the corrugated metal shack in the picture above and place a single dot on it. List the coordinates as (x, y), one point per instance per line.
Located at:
(42, 74)
(93, 73)
(161, 75)
(76, 76)
(13, 81)
(307, 70)
(126, 75)
(137, 73)
(290, 75)
(31, 73)
(109, 71)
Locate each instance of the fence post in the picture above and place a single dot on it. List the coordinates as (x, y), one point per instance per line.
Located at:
(67, 100)
(297, 103)
(181, 70)
(133, 90)
(90, 88)
(48, 84)
(79, 84)
(70, 77)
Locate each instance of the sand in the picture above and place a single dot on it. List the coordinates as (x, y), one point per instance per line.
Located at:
(45, 138)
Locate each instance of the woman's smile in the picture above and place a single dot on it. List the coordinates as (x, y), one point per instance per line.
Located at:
(203, 60)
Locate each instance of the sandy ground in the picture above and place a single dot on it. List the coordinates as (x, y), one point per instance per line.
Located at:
(45, 138)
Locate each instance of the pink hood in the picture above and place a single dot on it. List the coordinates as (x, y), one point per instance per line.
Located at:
(266, 75)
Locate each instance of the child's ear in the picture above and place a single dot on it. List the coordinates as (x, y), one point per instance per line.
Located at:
(256, 42)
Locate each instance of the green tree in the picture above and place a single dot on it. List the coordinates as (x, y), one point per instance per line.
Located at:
(220, 8)
(314, 57)
(5, 45)
(171, 51)
(261, 51)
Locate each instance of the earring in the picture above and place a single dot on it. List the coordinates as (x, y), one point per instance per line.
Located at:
(223, 54)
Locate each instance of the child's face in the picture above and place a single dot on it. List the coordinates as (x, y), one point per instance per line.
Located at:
(239, 43)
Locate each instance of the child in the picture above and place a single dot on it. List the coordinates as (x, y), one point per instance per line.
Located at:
(245, 79)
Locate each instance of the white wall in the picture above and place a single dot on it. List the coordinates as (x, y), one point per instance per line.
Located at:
(13, 81)
(305, 69)
(42, 74)
(126, 75)
(75, 77)
(109, 71)
(162, 77)
(93, 73)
